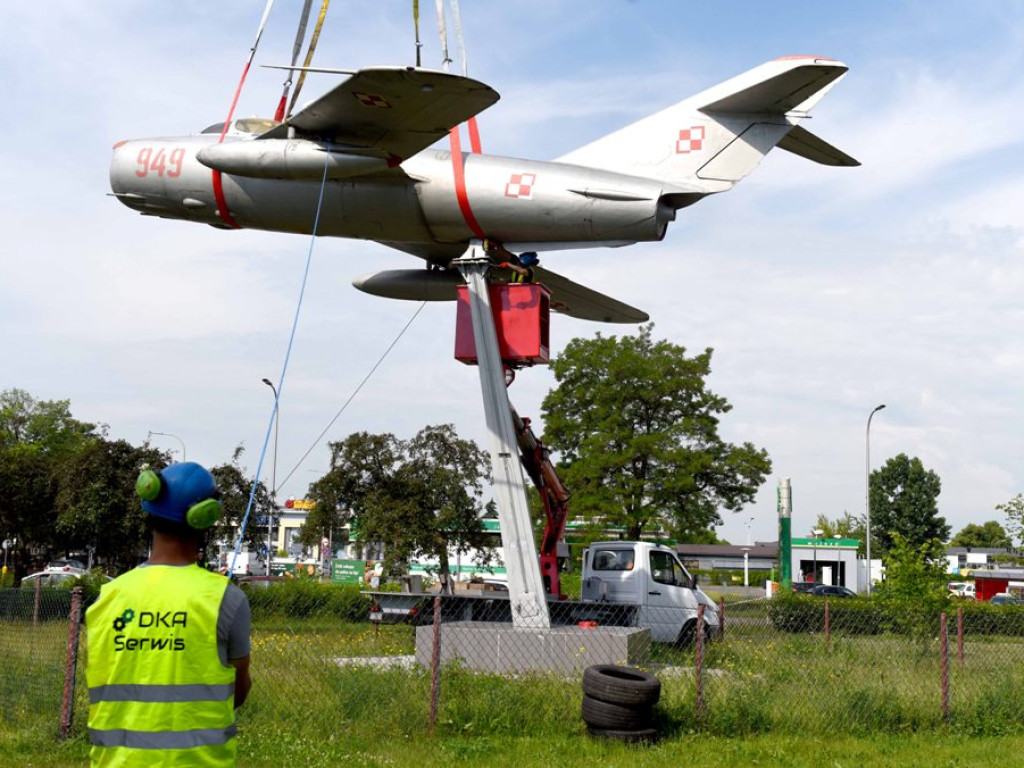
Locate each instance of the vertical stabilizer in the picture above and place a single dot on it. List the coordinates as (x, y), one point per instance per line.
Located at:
(716, 138)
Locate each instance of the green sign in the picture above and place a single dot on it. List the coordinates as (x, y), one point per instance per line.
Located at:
(348, 571)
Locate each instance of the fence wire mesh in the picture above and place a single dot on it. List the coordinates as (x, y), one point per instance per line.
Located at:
(322, 668)
(33, 651)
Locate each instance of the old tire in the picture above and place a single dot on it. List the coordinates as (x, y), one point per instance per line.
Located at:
(628, 736)
(601, 714)
(625, 686)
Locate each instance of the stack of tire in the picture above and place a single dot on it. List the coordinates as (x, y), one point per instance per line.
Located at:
(618, 702)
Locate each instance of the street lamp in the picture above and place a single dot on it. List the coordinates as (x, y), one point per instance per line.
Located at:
(273, 476)
(168, 434)
(867, 491)
(838, 537)
(816, 532)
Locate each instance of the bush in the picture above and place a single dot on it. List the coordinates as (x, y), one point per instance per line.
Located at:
(851, 616)
(303, 599)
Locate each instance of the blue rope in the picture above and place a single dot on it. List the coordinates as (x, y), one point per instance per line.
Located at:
(284, 367)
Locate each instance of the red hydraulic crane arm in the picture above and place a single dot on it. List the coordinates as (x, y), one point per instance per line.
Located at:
(553, 494)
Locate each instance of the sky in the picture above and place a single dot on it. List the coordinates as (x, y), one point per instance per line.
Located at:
(824, 292)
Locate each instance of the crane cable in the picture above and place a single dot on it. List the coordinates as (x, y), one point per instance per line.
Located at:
(416, 28)
(454, 137)
(474, 133)
(218, 184)
(279, 389)
(309, 55)
(300, 35)
(355, 392)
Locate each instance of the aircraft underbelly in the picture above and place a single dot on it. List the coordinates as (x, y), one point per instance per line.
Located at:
(364, 209)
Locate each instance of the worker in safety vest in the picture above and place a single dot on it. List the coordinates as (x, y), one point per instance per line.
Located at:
(521, 266)
(169, 640)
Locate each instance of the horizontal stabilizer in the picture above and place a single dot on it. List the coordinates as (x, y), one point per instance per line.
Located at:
(567, 297)
(802, 142)
(775, 87)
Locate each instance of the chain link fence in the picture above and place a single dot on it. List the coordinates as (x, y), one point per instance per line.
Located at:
(324, 670)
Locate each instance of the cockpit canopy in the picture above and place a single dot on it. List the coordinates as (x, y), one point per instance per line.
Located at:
(248, 125)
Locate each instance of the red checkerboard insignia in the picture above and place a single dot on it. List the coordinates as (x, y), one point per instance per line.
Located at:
(371, 100)
(520, 185)
(690, 140)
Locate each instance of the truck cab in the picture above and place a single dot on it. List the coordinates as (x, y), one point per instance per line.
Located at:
(648, 576)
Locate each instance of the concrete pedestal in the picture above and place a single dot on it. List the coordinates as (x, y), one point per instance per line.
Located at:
(504, 648)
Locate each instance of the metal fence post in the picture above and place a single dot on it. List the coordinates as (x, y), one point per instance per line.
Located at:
(721, 618)
(435, 664)
(35, 607)
(700, 663)
(67, 708)
(944, 665)
(960, 634)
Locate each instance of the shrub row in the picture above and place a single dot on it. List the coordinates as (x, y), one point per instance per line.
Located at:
(308, 599)
(800, 613)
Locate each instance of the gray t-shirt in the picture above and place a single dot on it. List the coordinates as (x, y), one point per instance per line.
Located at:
(233, 625)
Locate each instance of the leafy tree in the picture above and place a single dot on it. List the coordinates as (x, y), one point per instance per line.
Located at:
(915, 583)
(360, 464)
(36, 438)
(422, 497)
(96, 504)
(904, 500)
(1014, 511)
(636, 429)
(990, 534)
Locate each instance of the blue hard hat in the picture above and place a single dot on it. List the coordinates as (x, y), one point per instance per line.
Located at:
(529, 259)
(181, 487)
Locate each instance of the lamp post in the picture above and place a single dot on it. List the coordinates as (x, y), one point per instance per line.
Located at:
(816, 532)
(867, 491)
(168, 434)
(838, 537)
(273, 476)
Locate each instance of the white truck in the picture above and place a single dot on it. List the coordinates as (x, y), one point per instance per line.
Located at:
(625, 583)
(649, 577)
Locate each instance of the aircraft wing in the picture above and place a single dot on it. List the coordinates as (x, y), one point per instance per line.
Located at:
(393, 111)
(567, 297)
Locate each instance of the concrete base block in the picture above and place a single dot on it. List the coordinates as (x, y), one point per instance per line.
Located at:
(496, 647)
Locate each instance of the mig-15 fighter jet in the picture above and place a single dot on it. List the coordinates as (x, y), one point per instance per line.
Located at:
(366, 144)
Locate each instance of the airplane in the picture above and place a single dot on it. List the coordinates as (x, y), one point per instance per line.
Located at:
(367, 141)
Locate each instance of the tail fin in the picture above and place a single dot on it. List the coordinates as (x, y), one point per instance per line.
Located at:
(714, 139)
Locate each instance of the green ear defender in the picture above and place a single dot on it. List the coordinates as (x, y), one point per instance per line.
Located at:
(148, 486)
(203, 514)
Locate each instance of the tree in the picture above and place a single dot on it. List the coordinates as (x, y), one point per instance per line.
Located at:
(636, 430)
(1014, 511)
(360, 464)
(904, 500)
(915, 583)
(422, 497)
(847, 526)
(990, 534)
(36, 438)
(96, 503)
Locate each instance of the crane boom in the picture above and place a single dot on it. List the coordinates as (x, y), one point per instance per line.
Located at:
(554, 496)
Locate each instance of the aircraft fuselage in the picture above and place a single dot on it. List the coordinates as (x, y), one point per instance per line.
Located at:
(508, 199)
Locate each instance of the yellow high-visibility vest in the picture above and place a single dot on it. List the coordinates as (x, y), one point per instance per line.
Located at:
(158, 692)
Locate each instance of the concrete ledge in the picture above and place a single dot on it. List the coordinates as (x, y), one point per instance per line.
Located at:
(497, 647)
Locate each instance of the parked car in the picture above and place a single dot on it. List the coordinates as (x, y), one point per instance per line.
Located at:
(803, 587)
(832, 590)
(1005, 598)
(52, 577)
